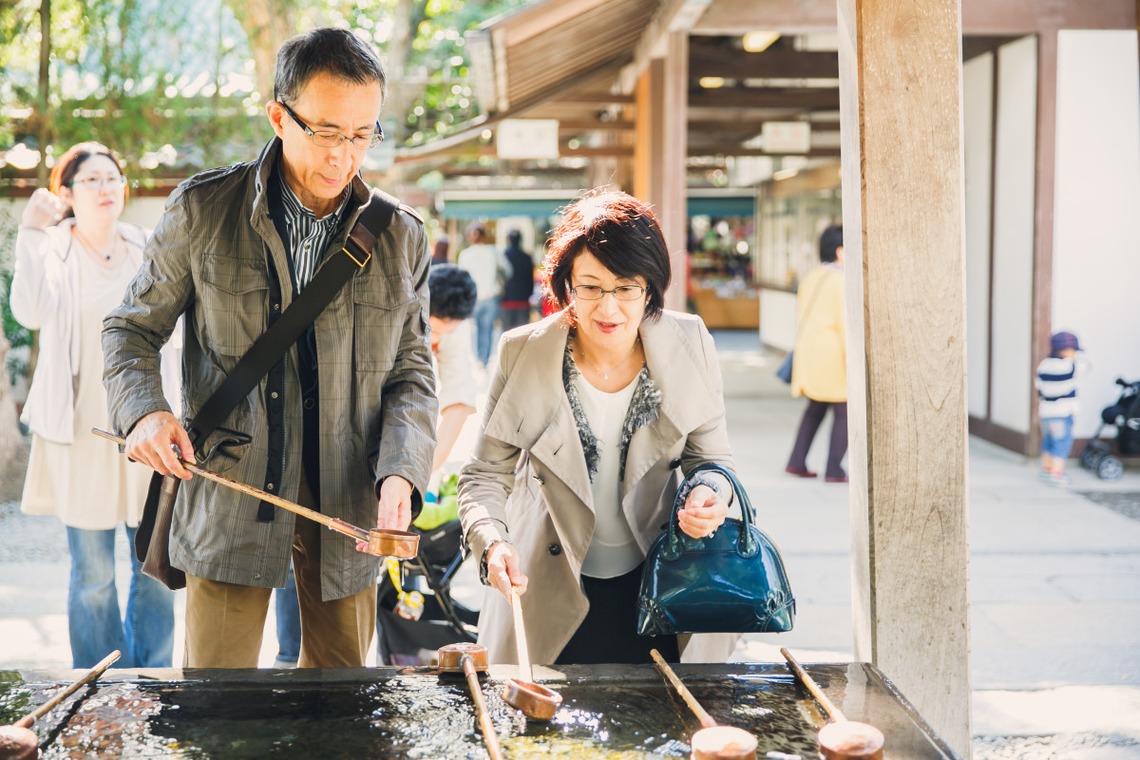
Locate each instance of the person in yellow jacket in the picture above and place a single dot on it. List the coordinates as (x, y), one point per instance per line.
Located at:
(819, 370)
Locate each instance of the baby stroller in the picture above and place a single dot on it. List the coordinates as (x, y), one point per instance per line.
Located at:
(1124, 415)
(404, 641)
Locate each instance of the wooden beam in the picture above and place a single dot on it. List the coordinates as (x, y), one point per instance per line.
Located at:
(1045, 191)
(800, 98)
(734, 149)
(716, 60)
(787, 16)
(900, 81)
(1018, 17)
(1021, 17)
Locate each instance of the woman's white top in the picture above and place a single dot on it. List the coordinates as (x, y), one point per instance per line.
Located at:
(613, 549)
(63, 293)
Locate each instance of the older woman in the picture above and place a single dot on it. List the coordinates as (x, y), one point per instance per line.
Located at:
(74, 260)
(592, 417)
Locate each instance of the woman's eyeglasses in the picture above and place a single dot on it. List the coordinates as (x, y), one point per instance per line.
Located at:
(94, 183)
(596, 293)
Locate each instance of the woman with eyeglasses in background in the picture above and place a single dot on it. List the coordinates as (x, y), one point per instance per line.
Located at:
(593, 416)
(74, 261)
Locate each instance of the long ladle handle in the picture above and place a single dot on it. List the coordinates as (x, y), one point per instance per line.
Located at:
(28, 720)
(485, 725)
(833, 712)
(525, 673)
(332, 523)
(702, 715)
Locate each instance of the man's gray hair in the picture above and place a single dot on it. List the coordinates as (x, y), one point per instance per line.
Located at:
(337, 52)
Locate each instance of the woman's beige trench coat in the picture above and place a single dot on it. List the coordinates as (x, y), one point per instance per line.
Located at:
(544, 505)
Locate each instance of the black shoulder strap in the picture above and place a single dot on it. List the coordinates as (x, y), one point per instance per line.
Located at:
(275, 341)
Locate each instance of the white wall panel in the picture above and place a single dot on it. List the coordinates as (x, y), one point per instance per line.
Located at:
(1096, 234)
(1014, 178)
(977, 120)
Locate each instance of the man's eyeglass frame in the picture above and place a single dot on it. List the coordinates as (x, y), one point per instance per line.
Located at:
(373, 140)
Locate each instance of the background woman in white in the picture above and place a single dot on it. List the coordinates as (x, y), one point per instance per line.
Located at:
(74, 260)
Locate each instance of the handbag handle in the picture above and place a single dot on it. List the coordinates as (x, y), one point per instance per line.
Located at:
(747, 547)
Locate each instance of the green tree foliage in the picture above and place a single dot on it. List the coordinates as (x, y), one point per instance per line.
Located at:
(140, 75)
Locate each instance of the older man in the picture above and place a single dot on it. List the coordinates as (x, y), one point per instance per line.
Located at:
(344, 422)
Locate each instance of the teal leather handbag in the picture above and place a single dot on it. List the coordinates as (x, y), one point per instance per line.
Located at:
(730, 582)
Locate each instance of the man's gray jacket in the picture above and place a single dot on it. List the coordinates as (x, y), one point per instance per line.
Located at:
(209, 257)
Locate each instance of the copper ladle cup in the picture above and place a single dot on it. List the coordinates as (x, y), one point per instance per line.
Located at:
(522, 693)
(401, 544)
(532, 699)
(381, 542)
(841, 739)
(722, 743)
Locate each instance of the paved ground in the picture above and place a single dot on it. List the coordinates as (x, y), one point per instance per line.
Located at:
(1054, 581)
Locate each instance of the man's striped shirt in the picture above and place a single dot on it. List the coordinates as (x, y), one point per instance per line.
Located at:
(308, 236)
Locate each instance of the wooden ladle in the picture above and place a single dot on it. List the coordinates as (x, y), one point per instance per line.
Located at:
(535, 701)
(712, 741)
(18, 741)
(470, 660)
(841, 739)
(381, 542)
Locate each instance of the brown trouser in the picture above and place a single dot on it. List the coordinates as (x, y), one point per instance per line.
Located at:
(225, 621)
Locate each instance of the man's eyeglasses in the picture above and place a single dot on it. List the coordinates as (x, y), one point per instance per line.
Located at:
(94, 183)
(327, 139)
(596, 293)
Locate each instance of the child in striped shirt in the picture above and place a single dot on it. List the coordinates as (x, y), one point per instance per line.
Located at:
(1056, 384)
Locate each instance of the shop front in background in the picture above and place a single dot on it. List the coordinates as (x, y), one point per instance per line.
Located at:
(722, 267)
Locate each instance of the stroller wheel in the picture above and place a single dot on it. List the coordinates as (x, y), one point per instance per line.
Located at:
(1092, 454)
(1110, 468)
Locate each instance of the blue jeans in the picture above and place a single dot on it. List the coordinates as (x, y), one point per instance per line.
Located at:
(145, 635)
(1057, 436)
(288, 620)
(485, 313)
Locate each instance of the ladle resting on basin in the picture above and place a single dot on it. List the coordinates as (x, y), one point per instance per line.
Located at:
(534, 700)
(381, 542)
(470, 660)
(18, 741)
(712, 741)
(841, 739)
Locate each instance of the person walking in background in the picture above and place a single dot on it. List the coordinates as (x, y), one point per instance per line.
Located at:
(515, 306)
(490, 269)
(608, 401)
(1056, 383)
(439, 250)
(453, 298)
(74, 261)
(819, 366)
(350, 434)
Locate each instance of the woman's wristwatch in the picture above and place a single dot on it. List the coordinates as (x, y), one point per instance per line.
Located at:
(483, 560)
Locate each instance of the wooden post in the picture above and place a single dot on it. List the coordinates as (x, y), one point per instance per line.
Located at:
(660, 152)
(900, 92)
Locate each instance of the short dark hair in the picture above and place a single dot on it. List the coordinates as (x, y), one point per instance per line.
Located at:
(622, 233)
(829, 240)
(513, 237)
(452, 292)
(338, 52)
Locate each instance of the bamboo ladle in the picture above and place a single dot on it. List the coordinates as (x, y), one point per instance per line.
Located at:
(18, 741)
(470, 660)
(840, 739)
(380, 542)
(712, 741)
(535, 701)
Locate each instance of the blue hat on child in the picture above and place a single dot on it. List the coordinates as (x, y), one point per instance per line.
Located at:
(1062, 340)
